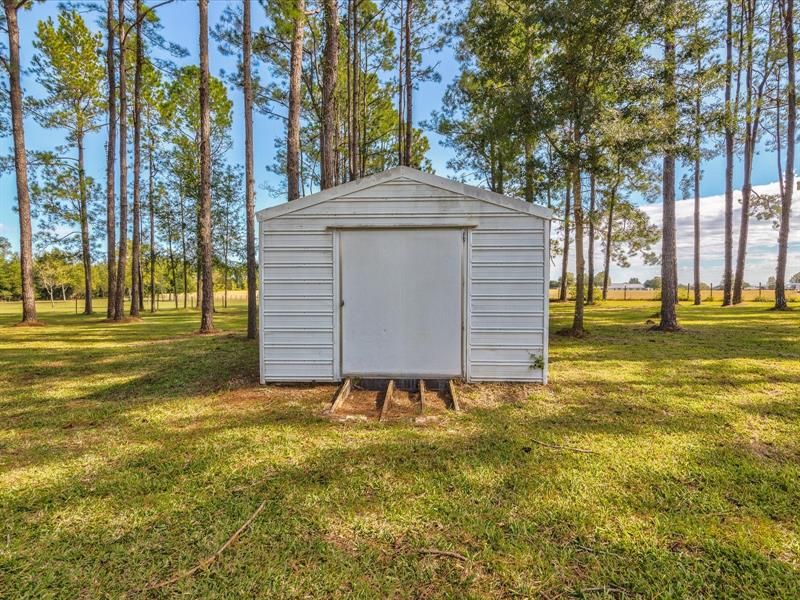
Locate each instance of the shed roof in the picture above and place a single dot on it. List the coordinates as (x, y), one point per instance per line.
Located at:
(407, 173)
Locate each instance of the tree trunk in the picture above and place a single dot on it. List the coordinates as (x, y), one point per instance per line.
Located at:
(355, 134)
(609, 232)
(136, 249)
(590, 277)
(20, 165)
(329, 80)
(207, 305)
(727, 275)
(528, 172)
(400, 138)
(152, 210)
(249, 183)
(754, 107)
(738, 276)
(409, 131)
(669, 318)
(697, 140)
(119, 304)
(184, 258)
(295, 100)
(562, 294)
(788, 186)
(86, 256)
(577, 203)
(111, 236)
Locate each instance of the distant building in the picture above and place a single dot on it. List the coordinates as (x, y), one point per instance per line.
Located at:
(626, 286)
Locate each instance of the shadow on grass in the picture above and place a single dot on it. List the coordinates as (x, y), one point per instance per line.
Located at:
(165, 444)
(349, 506)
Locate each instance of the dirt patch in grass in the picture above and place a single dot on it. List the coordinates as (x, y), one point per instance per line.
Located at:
(491, 395)
(436, 403)
(312, 397)
(768, 451)
(405, 405)
(361, 403)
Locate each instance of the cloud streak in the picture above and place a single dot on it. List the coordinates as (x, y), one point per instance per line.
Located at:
(762, 245)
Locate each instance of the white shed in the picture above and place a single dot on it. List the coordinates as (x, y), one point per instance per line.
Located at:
(404, 275)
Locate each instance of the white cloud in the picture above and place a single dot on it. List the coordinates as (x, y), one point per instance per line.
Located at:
(762, 245)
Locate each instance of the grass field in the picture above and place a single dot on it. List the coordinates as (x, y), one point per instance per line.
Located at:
(129, 453)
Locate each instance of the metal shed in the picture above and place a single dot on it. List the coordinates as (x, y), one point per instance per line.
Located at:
(404, 274)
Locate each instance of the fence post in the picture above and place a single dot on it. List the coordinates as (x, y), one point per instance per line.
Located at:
(76, 305)
(759, 290)
(712, 292)
(624, 292)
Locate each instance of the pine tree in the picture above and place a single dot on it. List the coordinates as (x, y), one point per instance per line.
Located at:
(206, 251)
(13, 67)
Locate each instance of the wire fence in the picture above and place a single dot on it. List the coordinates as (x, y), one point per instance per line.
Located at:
(686, 293)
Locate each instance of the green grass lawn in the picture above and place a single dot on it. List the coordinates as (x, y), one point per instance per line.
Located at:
(131, 452)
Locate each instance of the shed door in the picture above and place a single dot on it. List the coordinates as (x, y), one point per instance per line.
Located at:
(401, 294)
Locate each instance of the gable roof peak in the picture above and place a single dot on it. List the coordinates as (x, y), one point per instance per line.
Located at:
(410, 173)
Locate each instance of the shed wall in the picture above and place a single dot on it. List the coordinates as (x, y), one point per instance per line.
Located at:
(506, 321)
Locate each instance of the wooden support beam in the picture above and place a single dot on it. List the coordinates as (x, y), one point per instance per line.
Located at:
(421, 396)
(341, 395)
(451, 386)
(387, 400)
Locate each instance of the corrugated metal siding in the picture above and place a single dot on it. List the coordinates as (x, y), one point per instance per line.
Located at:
(296, 305)
(507, 300)
(506, 322)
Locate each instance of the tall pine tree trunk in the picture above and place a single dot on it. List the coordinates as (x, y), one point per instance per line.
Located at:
(697, 299)
(577, 204)
(295, 99)
(111, 148)
(20, 165)
(400, 99)
(409, 89)
(207, 304)
(119, 304)
(754, 109)
(250, 184)
(696, 174)
(152, 211)
(86, 255)
(562, 293)
(669, 318)
(136, 247)
(184, 257)
(329, 81)
(738, 275)
(788, 186)
(727, 275)
(355, 134)
(590, 275)
(529, 172)
(609, 240)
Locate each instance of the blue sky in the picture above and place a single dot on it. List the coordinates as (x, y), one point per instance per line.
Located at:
(180, 26)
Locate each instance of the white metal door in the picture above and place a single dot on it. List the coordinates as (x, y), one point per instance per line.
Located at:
(401, 302)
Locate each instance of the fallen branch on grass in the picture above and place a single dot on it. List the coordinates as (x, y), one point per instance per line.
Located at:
(446, 553)
(569, 448)
(207, 562)
(604, 589)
